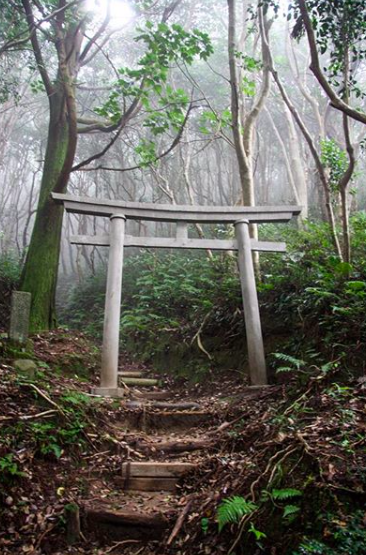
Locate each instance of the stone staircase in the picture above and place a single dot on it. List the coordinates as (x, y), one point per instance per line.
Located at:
(143, 501)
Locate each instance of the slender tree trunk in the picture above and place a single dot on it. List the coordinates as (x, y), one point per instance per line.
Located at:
(297, 165)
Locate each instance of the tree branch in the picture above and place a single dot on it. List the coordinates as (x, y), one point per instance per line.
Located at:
(96, 36)
(139, 166)
(335, 100)
(36, 47)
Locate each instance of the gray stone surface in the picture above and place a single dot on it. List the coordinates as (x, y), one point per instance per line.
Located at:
(19, 317)
(25, 366)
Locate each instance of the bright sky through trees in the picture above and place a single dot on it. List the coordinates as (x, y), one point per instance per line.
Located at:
(120, 11)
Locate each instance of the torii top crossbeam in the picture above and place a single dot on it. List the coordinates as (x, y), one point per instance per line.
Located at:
(119, 211)
(174, 213)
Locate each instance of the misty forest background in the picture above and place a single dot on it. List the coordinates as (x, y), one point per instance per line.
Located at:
(187, 103)
(218, 102)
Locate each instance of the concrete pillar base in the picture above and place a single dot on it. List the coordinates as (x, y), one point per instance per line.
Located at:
(109, 391)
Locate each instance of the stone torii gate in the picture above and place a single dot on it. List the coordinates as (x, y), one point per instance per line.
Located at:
(119, 211)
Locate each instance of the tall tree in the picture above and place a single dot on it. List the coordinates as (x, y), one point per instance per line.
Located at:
(64, 37)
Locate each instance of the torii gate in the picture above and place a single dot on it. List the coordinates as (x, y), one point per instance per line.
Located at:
(119, 211)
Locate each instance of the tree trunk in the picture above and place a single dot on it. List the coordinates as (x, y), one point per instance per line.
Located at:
(298, 171)
(39, 274)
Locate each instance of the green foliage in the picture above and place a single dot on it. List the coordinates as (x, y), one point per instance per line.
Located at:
(9, 267)
(84, 308)
(340, 31)
(204, 525)
(168, 297)
(257, 533)
(212, 122)
(284, 494)
(343, 537)
(64, 430)
(9, 279)
(165, 107)
(335, 159)
(9, 469)
(292, 362)
(290, 511)
(232, 509)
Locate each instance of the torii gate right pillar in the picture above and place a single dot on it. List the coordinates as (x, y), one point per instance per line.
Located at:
(112, 314)
(257, 362)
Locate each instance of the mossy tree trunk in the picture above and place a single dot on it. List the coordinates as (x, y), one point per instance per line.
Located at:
(39, 275)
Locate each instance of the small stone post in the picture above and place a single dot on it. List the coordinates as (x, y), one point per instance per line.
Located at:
(257, 363)
(110, 349)
(19, 317)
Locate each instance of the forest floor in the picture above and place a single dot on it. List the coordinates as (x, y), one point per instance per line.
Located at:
(295, 452)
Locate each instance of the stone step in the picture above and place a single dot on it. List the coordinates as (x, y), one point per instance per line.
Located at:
(152, 476)
(184, 405)
(155, 469)
(151, 395)
(145, 419)
(139, 381)
(147, 484)
(121, 524)
(175, 447)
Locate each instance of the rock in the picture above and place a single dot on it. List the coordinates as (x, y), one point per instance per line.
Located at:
(25, 366)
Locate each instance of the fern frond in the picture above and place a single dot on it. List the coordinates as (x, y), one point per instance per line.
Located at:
(296, 362)
(290, 510)
(233, 509)
(282, 494)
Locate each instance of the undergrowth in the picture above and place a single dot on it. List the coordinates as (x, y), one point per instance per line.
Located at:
(9, 279)
(309, 299)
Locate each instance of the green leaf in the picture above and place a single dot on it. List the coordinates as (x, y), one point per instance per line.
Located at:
(258, 534)
(356, 285)
(204, 525)
(56, 449)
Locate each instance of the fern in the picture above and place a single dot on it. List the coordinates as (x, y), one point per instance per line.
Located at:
(296, 363)
(233, 509)
(283, 494)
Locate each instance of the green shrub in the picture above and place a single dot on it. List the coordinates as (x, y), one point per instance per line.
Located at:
(9, 279)
(343, 538)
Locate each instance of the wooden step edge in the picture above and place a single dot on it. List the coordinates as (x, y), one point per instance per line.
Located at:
(128, 518)
(126, 374)
(162, 405)
(118, 525)
(139, 381)
(151, 395)
(152, 483)
(175, 446)
(156, 469)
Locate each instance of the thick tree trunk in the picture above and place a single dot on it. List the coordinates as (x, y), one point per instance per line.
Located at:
(39, 275)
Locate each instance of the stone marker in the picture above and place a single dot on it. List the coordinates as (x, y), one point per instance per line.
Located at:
(25, 366)
(19, 317)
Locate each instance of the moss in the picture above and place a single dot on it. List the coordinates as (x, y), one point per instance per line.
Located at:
(39, 274)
